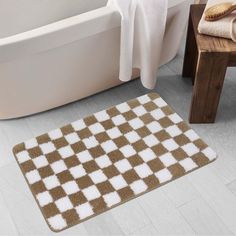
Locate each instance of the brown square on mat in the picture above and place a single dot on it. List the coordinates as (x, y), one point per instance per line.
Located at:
(108, 124)
(67, 129)
(57, 193)
(78, 198)
(35, 152)
(78, 147)
(102, 137)
(70, 216)
(105, 187)
(60, 142)
(72, 161)
(28, 166)
(90, 120)
(84, 182)
(84, 133)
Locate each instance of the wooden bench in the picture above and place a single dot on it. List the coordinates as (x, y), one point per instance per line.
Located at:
(206, 60)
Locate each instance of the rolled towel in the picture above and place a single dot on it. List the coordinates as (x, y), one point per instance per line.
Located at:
(225, 27)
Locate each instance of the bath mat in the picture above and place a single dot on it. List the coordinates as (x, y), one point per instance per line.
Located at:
(96, 163)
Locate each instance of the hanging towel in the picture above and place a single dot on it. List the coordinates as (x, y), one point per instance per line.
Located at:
(225, 27)
(142, 31)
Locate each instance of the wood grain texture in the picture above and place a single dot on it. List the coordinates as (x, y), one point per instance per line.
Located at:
(206, 60)
(210, 74)
(191, 53)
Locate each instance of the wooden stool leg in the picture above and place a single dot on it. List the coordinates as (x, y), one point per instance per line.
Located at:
(191, 52)
(209, 79)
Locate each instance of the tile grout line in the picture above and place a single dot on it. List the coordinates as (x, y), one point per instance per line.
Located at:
(10, 215)
(209, 205)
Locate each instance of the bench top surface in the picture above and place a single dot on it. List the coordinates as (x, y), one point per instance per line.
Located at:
(209, 43)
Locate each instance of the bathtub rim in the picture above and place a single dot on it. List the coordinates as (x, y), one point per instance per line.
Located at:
(51, 36)
(58, 33)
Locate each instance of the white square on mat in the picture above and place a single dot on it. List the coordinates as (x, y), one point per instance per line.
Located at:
(31, 143)
(40, 161)
(154, 127)
(55, 134)
(70, 187)
(191, 135)
(90, 142)
(44, 198)
(132, 136)
(58, 166)
(144, 99)
(84, 156)
(163, 175)
(66, 152)
(72, 138)
(109, 146)
(64, 204)
(188, 164)
(147, 155)
(170, 145)
(210, 154)
(57, 222)
(160, 102)
(138, 187)
(158, 114)
(77, 171)
(168, 159)
(190, 149)
(96, 128)
(103, 161)
(114, 133)
(151, 140)
(102, 116)
(143, 170)
(33, 176)
(118, 182)
(112, 199)
(139, 111)
(91, 193)
(78, 125)
(123, 165)
(47, 147)
(136, 123)
(118, 120)
(98, 176)
(173, 131)
(51, 182)
(128, 151)
(123, 107)
(22, 157)
(175, 118)
(85, 210)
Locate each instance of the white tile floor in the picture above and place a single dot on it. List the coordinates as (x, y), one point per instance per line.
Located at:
(202, 203)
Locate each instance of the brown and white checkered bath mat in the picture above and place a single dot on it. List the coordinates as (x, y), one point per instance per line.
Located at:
(98, 162)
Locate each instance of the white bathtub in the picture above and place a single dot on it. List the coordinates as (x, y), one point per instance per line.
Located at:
(54, 52)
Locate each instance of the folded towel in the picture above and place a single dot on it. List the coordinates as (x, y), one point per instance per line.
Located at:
(224, 27)
(142, 30)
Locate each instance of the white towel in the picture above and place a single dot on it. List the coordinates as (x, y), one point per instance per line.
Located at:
(142, 30)
(225, 27)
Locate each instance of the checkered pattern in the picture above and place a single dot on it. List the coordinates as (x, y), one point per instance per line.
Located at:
(95, 163)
